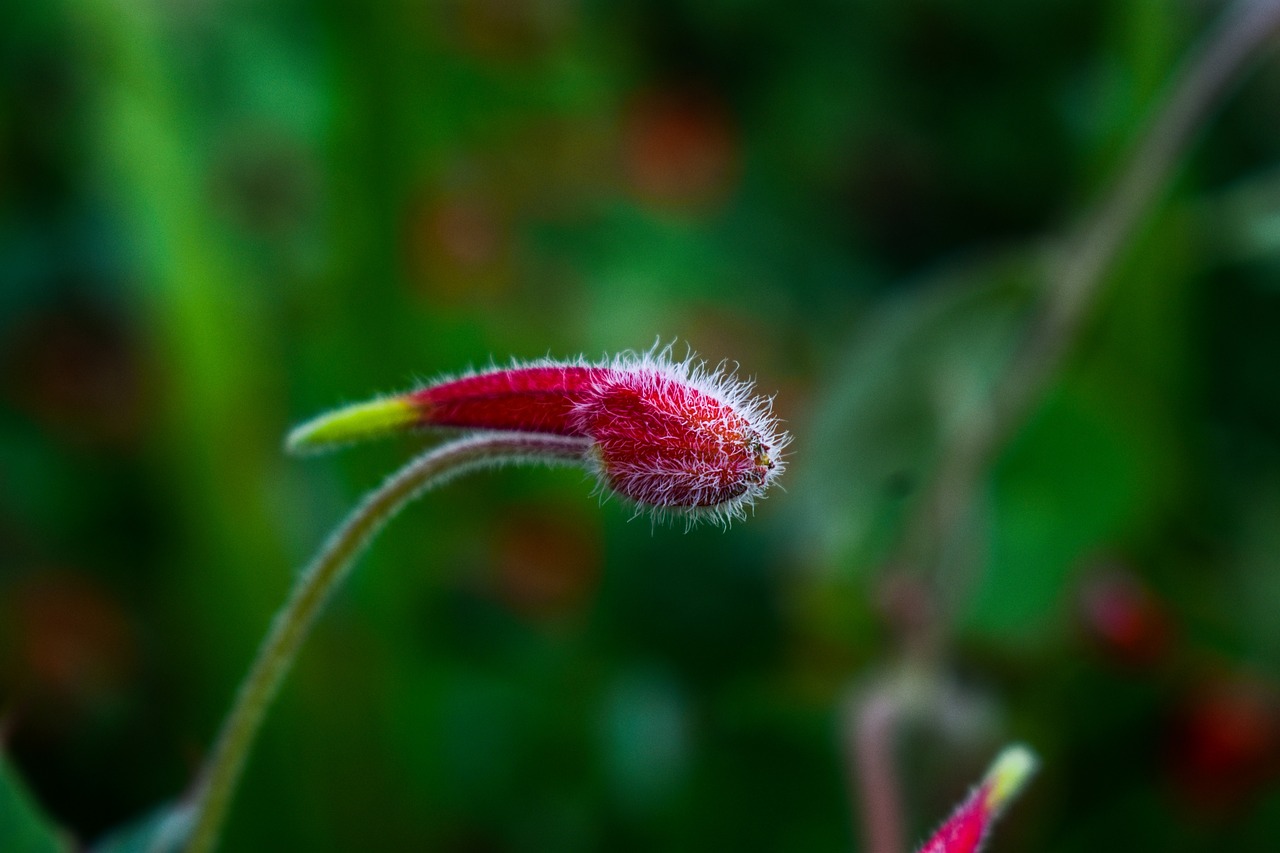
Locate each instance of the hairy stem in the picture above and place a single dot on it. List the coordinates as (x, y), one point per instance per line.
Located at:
(217, 781)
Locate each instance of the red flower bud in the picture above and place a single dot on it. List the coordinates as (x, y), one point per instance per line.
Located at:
(967, 828)
(1224, 746)
(1125, 619)
(670, 436)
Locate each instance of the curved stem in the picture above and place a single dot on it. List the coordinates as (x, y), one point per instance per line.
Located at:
(213, 791)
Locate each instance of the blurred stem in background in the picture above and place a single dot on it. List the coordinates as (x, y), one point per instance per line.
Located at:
(872, 723)
(1080, 263)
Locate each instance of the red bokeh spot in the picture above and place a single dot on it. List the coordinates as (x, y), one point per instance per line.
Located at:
(547, 565)
(679, 150)
(1125, 619)
(1225, 744)
(72, 645)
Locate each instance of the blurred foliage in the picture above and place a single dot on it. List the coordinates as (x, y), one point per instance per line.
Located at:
(23, 829)
(218, 219)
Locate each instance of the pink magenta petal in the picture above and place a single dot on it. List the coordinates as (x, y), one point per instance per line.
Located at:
(969, 824)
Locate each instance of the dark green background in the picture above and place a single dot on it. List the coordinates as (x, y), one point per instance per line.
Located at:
(217, 219)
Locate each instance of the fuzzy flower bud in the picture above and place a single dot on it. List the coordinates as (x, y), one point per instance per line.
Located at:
(967, 828)
(668, 436)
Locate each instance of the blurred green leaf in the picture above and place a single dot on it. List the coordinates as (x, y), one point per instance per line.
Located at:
(919, 365)
(1071, 481)
(23, 827)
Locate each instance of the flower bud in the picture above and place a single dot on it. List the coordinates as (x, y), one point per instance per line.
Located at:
(969, 824)
(668, 436)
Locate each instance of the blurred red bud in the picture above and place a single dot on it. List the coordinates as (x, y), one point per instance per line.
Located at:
(77, 371)
(679, 150)
(1225, 744)
(459, 246)
(547, 564)
(71, 645)
(1125, 620)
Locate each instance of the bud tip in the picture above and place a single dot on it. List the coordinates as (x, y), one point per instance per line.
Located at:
(352, 423)
(1011, 770)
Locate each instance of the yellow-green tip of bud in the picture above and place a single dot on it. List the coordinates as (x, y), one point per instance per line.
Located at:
(353, 423)
(1010, 772)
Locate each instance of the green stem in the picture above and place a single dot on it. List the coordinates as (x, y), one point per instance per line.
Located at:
(216, 784)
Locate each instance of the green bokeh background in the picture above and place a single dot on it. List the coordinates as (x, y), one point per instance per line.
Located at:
(217, 219)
